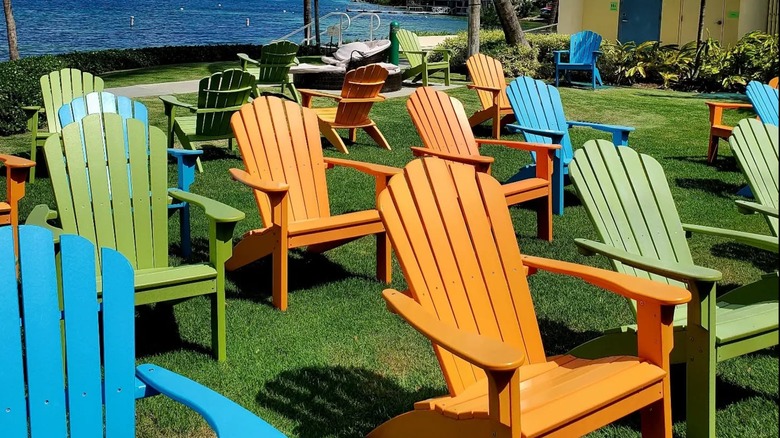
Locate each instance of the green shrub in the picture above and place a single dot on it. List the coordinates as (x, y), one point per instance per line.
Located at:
(19, 86)
(517, 60)
(547, 43)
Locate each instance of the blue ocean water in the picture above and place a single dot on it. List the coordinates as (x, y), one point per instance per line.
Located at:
(61, 26)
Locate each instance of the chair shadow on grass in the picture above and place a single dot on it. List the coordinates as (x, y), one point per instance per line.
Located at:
(711, 185)
(724, 163)
(765, 261)
(156, 331)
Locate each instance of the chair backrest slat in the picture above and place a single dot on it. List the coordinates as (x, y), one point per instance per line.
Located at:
(454, 239)
(280, 141)
(61, 87)
(362, 82)
(275, 61)
(410, 43)
(488, 72)
(441, 122)
(226, 89)
(765, 100)
(102, 102)
(582, 45)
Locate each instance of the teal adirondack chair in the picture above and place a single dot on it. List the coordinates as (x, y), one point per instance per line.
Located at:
(119, 200)
(273, 67)
(104, 102)
(419, 65)
(765, 100)
(51, 391)
(627, 198)
(57, 88)
(219, 96)
(755, 146)
(583, 53)
(539, 113)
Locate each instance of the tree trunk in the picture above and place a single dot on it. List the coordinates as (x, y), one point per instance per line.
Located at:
(317, 21)
(513, 33)
(697, 59)
(10, 24)
(475, 7)
(306, 19)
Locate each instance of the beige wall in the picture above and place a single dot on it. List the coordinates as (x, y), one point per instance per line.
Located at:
(753, 16)
(670, 21)
(598, 18)
(570, 16)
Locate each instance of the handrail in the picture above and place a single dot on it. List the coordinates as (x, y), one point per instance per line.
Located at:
(540, 28)
(371, 27)
(339, 26)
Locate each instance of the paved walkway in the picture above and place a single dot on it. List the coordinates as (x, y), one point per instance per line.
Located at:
(182, 87)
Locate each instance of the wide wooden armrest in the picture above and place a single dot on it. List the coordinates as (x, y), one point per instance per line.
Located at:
(486, 353)
(15, 162)
(227, 418)
(560, 51)
(542, 148)
(555, 136)
(769, 243)
(728, 105)
(665, 268)
(415, 52)
(601, 126)
(640, 289)
(40, 215)
(494, 90)
(215, 210)
(184, 152)
(227, 109)
(169, 100)
(480, 161)
(245, 58)
(378, 98)
(377, 170)
(257, 183)
(32, 109)
(315, 93)
(747, 207)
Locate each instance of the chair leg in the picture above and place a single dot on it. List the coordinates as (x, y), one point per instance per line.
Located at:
(33, 155)
(218, 330)
(702, 357)
(353, 135)
(557, 72)
(384, 267)
(377, 136)
(447, 76)
(425, 77)
(557, 186)
(279, 288)
(496, 122)
(657, 418)
(544, 220)
(184, 230)
(593, 79)
(712, 149)
(294, 92)
(333, 137)
(185, 143)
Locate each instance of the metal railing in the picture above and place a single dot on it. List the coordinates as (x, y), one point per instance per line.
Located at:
(333, 30)
(550, 28)
(371, 27)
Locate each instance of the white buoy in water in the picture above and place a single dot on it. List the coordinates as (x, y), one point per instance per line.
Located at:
(181, 9)
(247, 22)
(132, 20)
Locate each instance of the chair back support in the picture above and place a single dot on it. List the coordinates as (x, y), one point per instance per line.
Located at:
(361, 83)
(628, 200)
(226, 90)
(453, 236)
(99, 396)
(488, 72)
(102, 102)
(538, 105)
(275, 61)
(110, 179)
(765, 100)
(280, 142)
(441, 122)
(409, 42)
(582, 45)
(60, 87)
(16, 171)
(755, 146)
(774, 82)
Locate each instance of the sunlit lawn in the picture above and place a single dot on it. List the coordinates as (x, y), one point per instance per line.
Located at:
(337, 363)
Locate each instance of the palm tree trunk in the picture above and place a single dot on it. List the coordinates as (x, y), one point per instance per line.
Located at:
(317, 21)
(554, 12)
(10, 24)
(306, 19)
(475, 7)
(513, 33)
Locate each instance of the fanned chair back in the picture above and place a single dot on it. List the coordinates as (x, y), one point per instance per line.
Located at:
(488, 72)
(765, 100)
(361, 83)
(582, 45)
(60, 87)
(115, 199)
(275, 62)
(628, 200)
(755, 146)
(453, 236)
(410, 44)
(538, 105)
(102, 102)
(280, 141)
(441, 122)
(226, 90)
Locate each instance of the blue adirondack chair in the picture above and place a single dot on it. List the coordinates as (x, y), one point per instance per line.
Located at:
(583, 52)
(539, 113)
(104, 102)
(765, 100)
(44, 397)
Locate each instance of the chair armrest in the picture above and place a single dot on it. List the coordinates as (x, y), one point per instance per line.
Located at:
(32, 112)
(493, 90)
(486, 353)
(728, 105)
(557, 55)
(378, 98)
(746, 207)
(639, 289)
(244, 59)
(40, 215)
(555, 136)
(769, 243)
(481, 162)
(315, 93)
(376, 170)
(12, 161)
(227, 418)
(602, 126)
(171, 101)
(215, 210)
(540, 148)
(268, 187)
(664, 268)
(184, 152)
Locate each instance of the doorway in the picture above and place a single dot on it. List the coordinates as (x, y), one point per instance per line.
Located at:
(639, 20)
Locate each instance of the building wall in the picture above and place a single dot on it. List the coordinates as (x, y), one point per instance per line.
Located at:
(598, 17)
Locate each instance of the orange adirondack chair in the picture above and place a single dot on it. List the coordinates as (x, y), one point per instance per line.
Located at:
(358, 94)
(717, 129)
(490, 83)
(444, 129)
(468, 293)
(282, 152)
(16, 171)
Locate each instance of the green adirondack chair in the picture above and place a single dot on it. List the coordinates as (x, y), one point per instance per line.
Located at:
(118, 198)
(755, 146)
(219, 96)
(273, 67)
(57, 88)
(420, 66)
(627, 197)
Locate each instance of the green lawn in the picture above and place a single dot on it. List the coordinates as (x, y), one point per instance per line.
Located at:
(337, 363)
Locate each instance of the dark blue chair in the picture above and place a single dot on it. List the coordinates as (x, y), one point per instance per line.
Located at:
(583, 52)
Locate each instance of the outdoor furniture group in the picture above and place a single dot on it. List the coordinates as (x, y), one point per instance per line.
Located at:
(444, 215)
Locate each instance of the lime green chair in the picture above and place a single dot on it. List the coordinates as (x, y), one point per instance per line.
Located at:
(419, 64)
